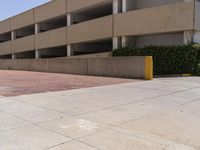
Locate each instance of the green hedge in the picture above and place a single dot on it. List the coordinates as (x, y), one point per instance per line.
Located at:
(168, 59)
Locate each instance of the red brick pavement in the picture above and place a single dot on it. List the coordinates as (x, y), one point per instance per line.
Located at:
(13, 83)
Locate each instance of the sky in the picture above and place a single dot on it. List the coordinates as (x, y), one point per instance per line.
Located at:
(9, 8)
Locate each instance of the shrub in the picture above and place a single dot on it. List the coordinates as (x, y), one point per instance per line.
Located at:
(168, 59)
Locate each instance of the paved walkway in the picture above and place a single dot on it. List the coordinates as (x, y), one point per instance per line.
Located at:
(13, 83)
(163, 114)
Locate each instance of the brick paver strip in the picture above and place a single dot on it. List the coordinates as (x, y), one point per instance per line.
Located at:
(13, 83)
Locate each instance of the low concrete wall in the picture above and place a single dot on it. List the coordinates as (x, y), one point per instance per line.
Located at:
(127, 67)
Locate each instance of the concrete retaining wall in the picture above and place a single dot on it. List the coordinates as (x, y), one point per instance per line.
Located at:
(128, 67)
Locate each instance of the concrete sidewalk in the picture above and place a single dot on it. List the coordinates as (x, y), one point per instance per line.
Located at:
(163, 114)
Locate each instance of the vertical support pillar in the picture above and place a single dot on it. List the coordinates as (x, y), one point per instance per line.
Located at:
(124, 5)
(124, 41)
(188, 37)
(69, 47)
(124, 9)
(13, 36)
(13, 56)
(115, 6)
(37, 51)
(115, 43)
(115, 11)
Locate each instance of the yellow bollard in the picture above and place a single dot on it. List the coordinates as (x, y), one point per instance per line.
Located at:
(148, 68)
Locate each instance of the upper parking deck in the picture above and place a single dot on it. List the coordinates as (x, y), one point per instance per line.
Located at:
(92, 21)
(56, 8)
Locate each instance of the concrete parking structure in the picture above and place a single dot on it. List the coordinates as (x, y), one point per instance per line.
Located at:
(63, 28)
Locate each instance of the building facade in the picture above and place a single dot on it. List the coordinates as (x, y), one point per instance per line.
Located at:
(63, 28)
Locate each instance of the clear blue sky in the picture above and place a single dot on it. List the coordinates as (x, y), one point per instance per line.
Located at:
(10, 8)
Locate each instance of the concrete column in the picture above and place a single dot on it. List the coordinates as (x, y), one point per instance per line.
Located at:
(124, 5)
(37, 54)
(188, 37)
(115, 6)
(124, 41)
(13, 36)
(69, 51)
(14, 56)
(37, 51)
(37, 28)
(69, 47)
(69, 20)
(124, 9)
(115, 43)
(115, 11)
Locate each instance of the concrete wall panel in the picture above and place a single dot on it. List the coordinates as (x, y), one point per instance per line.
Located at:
(22, 20)
(5, 64)
(23, 44)
(49, 10)
(69, 66)
(40, 65)
(90, 30)
(132, 67)
(166, 18)
(5, 26)
(5, 48)
(73, 5)
(129, 67)
(57, 37)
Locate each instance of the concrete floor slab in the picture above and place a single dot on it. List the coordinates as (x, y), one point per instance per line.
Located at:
(113, 116)
(30, 138)
(162, 114)
(177, 128)
(74, 127)
(74, 145)
(29, 112)
(8, 122)
(191, 108)
(114, 140)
